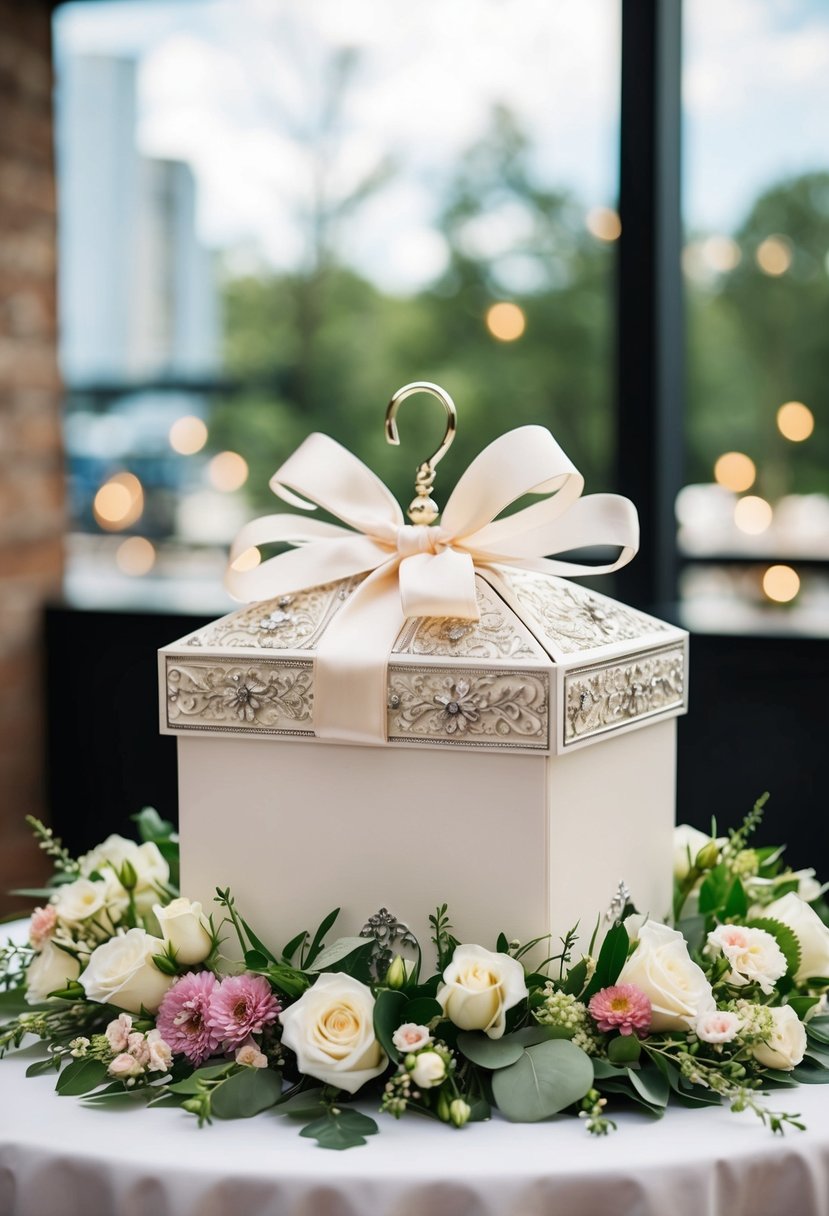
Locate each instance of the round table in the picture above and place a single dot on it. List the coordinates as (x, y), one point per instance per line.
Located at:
(59, 1156)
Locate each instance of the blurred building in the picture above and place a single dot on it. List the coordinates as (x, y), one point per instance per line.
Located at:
(138, 292)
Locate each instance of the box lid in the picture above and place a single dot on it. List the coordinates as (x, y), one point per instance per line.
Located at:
(550, 666)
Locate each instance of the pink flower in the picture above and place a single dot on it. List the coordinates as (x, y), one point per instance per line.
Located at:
(42, 925)
(241, 1005)
(118, 1032)
(183, 1016)
(250, 1055)
(622, 1007)
(411, 1037)
(718, 1026)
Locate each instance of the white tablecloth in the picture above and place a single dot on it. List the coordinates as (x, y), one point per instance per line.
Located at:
(58, 1156)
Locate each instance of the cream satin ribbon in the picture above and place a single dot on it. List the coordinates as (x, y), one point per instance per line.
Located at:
(416, 571)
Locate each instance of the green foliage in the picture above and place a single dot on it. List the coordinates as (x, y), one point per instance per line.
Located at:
(340, 1128)
(545, 1079)
(786, 939)
(611, 960)
(245, 1093)
(80, 1076)
(388, 1009)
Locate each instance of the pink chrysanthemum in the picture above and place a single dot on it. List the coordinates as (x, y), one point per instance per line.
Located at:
(622, 1007)
(183, 1016)
(241, 1005)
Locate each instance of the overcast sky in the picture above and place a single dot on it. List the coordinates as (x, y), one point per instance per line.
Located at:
(234, 86)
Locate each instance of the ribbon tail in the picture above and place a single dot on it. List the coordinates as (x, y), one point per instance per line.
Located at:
(351, 661)
(439, 584)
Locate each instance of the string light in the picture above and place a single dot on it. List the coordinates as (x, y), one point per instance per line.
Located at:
(781, 584)
(752, 515)
(795, 421)
(505, 321)
(735, 471)
(227, 471)
(774, 255)
(188, 435)
(603, 223)
(135, 556)
(119, 502)
(721, 253)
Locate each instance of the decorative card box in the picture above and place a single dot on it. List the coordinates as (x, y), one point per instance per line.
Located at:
(529, 768)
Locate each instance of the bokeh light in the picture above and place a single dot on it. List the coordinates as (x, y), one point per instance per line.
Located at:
(505, 321)
(135, 556)
(795, 421)
(774, 255)
(227, 471)
(752, 515)
(119, 502)
(603, 223)
(721, 253)
(188, 435)
(781, 584)
(735, 471)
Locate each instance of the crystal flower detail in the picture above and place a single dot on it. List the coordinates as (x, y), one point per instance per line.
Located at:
(459, 708)
(244, 696)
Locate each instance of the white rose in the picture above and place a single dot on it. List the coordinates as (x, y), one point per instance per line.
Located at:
(661, 966)
(754, 955)
(687, 843)
(49, 971)
(78, 900)
(121, 973)
(151, 870)
(786, 1044)
(479, 987)
(810, 931)
(718, 1026)
(114, 850)
(429, 1070)
(331, 1030)
(808, 887)
(185, 929)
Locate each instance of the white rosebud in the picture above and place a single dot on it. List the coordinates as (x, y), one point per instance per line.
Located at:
(121, 972)
(185, 929)
(49, 971)
(459, 1112)
(663, 969)
(479, 987)
(786, 1045)
(429, 1070)
(809, 930)
(688, 842)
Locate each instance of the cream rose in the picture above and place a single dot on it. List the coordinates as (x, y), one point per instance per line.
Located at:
(78, 900)
(810, 931)
(185, 929)
(661, 966)
(786, 1044)
(331, 1030)
(754, 955)
(121, 973)
(49, 971)
(479, 987)
(151, 870)
(718, 1026)
(411, 1037)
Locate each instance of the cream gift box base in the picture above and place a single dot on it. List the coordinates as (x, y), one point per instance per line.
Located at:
(514, 843)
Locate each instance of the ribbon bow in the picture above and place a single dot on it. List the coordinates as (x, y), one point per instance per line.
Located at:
(415, 570)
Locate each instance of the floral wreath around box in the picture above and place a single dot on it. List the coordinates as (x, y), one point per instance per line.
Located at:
(126, 985)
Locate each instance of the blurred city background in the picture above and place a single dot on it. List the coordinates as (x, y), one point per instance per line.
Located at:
(271, 214)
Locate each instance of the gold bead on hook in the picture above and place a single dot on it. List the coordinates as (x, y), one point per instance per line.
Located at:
(423, 509)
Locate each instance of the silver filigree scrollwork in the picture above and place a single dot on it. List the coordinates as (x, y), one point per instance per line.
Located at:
(387, 932)
(615, 694)
(497, 635)
(209, 694)
(573, 618)
(618, 903)
(289, 622)
(474, 707)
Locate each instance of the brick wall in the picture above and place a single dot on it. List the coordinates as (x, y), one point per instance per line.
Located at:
(31, 470)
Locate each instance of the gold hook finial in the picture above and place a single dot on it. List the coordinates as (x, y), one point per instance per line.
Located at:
(423, 509)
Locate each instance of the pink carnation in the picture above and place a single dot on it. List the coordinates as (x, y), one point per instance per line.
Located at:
(42, 925)
(622, 1007)
(241, 1005)
(183, 1016)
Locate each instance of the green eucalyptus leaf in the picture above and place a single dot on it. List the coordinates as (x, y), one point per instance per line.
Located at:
(346, 1129)
(210, 1072)
(422, 1010)
(305, 1105)
(530, 1035)
(624, 1049)
(808, 1075)
(547, 1078)
(80, 1077)
(388, 1008)
(490, 1053)
(246, 1093)
(651, 1084)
